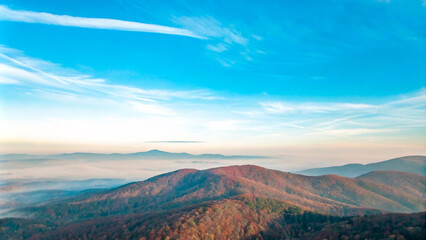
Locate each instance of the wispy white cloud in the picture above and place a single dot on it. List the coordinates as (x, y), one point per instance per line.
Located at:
(350, 120)
(276, 107)
(288, 107)
(17, 75)
(336, 121)
(220, 47)
(258, 38)
(226, 62)
(39, 74)
(210, 27)
(349, 132)
(220, 38)
(226, 43)
(418, 99)
(7, 14)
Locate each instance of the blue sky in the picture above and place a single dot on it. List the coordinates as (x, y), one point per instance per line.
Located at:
(274, 78)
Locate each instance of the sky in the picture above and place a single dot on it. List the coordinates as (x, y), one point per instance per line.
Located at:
(318, 82)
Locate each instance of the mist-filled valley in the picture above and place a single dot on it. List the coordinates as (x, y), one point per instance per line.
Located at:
(184, 203)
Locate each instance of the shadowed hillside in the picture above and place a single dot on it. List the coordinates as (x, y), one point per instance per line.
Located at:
(410, 183)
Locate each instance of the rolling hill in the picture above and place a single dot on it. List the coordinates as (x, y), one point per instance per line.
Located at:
(237, 202)
(411, 164)
(329, 194)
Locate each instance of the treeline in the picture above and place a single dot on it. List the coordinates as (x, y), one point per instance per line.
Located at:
(237, 218)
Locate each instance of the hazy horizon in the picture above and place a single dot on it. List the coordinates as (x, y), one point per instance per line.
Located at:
(139, 168)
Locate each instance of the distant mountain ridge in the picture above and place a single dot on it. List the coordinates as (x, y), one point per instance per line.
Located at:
(411, 164)
(152, 154)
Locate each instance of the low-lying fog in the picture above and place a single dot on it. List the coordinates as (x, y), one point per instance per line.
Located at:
(30, 180)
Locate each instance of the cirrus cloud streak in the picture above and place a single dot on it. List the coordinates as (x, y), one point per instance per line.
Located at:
(7, 14)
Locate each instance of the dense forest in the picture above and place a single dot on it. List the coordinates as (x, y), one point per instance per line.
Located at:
(239, 218)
